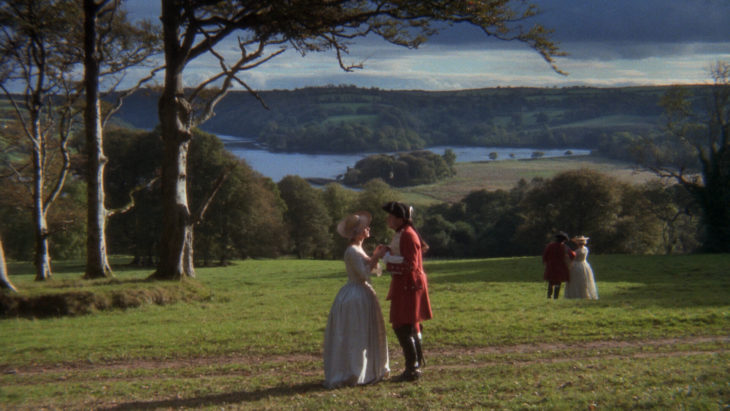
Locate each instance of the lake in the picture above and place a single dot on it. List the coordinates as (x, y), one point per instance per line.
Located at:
(329, 166)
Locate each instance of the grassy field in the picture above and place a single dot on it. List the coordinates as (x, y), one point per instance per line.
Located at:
(656, 339)
(505, 174)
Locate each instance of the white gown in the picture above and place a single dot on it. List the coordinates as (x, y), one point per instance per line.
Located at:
(355, 345)
(581, 284)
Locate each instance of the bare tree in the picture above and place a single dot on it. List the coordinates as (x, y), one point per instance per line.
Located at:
(265, 29)
(111, 45)
(36, 57)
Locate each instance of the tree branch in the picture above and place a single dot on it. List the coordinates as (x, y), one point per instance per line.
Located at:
(200, 213)
(132, 202)
(127, 93)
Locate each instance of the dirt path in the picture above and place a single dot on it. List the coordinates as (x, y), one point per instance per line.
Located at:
(448, 357)
(308, 368)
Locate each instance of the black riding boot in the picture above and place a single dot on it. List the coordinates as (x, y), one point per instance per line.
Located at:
(550, 291)
(419, 350)
(556, 291)
(408, 344)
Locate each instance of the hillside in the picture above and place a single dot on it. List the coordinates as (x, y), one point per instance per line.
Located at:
(350, 119)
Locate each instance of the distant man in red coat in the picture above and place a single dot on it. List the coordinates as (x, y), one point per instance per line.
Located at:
(556, 258)
(408, 294)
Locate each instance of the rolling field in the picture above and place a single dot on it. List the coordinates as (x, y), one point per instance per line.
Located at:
(505, 174)
(656, 339)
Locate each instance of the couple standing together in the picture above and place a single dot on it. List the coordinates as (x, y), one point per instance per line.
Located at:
(355, 344)
(563, 264)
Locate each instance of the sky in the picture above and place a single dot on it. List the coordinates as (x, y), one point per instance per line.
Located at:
(609, 43)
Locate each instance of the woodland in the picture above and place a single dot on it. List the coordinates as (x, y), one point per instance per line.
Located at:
(350, 119)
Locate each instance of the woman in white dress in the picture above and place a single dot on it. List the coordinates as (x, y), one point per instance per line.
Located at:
(581, 283)
(355, 345)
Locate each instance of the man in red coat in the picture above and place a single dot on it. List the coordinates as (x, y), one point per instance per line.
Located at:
(408, 294)
(556, 258)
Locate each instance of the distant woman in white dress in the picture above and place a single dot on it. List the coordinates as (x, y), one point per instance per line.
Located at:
(355, 345)
(581, 283)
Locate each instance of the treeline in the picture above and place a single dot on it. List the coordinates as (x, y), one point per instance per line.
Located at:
(253, 217)
(250, 217)
(617, 216)
(350, 119)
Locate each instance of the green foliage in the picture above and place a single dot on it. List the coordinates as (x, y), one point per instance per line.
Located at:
(243, 220)
(67, 222)
(676, 209)
(372, 197)
(306, 217)
(695, 152)
(402, 169)
(247, 218)
(133, 163)
(619, 218)
(350, 119)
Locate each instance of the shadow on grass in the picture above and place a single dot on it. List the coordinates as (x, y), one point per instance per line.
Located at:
(663, 281)
(224, 398)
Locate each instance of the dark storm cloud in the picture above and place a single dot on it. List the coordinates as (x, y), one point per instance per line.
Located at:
(621, 22)
(638, 20)
(654, 21)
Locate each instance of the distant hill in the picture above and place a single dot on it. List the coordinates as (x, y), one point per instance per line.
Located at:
(350, 119)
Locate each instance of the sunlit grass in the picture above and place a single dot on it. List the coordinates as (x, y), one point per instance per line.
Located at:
(657, 338)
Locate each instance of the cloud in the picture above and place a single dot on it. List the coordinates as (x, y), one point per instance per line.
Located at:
(640, 27)
(632, 50)
(658, 21)
(444, 67)
(610, 43)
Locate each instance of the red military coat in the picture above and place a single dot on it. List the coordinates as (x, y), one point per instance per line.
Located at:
(408, 294)
(554, 259)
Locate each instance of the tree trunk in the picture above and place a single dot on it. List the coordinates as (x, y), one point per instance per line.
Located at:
(97, 262)
(714, 198)
(176, 245)
(40, 225)
(4, 280)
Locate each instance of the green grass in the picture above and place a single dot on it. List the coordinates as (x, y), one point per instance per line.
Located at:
(657, 338)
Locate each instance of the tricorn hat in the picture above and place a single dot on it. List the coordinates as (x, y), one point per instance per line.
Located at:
(561, 235)
(398, 209)
(351, 225)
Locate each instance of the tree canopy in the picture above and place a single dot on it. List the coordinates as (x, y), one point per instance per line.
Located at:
(694, 151)
(267, 29)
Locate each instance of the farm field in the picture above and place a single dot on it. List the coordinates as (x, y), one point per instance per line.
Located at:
(656, 339)
(505, 174)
